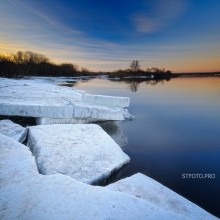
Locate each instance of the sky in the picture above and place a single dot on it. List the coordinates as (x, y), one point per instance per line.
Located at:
(106, 35)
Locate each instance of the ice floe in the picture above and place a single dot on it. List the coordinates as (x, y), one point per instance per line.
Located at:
(152, 191)
(111, 101)
(83, 151)
(12, 130)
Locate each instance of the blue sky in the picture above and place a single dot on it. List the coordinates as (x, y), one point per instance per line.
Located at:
(181, 35)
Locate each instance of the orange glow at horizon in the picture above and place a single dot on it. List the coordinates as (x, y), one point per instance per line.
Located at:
(189, 64)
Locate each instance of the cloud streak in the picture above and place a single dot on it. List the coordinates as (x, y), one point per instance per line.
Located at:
(159, 16)
(48, 18)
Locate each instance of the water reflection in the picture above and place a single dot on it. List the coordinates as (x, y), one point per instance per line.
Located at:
(134, 86)
(135, 82)
(157, 81)
(74, 83)
(69, 83)
(115, 131)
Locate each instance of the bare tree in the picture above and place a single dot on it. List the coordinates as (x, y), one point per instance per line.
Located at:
(134, 66)
(84, 70)
(29, 57)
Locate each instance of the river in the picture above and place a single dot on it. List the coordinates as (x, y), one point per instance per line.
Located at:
(175, 138)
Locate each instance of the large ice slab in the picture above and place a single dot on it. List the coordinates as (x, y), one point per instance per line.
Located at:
(25, 194)
(82, 151)
(84, 110)
(40, 99)
(112, 128)
(152, 191)
(48, 121)
(12, 130)
(112, 101)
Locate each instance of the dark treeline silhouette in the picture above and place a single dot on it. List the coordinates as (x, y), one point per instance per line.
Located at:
(135, 70)
(24, 64)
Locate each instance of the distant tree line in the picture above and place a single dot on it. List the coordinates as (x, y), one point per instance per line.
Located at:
(25, 64)
(28, 63)
(135, 70)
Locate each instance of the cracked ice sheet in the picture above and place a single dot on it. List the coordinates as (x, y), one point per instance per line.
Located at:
(152, 191)
(12, 130)
(83, 151)
(25, 194)
(35, 99)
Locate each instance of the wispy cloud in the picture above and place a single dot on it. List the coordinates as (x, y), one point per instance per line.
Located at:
(48, 18)
(161, 14)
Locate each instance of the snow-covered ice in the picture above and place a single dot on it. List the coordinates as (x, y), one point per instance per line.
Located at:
(49, 121)
(111, 127)
(17, 163)
(25, 194)
(12, 130)
(152, 191)
(84, 110)
(112, 101)
(82, 151)
(36, 98)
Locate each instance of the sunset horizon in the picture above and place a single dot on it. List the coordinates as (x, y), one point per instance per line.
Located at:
(182, 36)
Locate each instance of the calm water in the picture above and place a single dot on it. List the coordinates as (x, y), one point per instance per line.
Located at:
(176, 131)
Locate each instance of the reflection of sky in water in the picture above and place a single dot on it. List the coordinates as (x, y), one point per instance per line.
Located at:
(176, 130)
